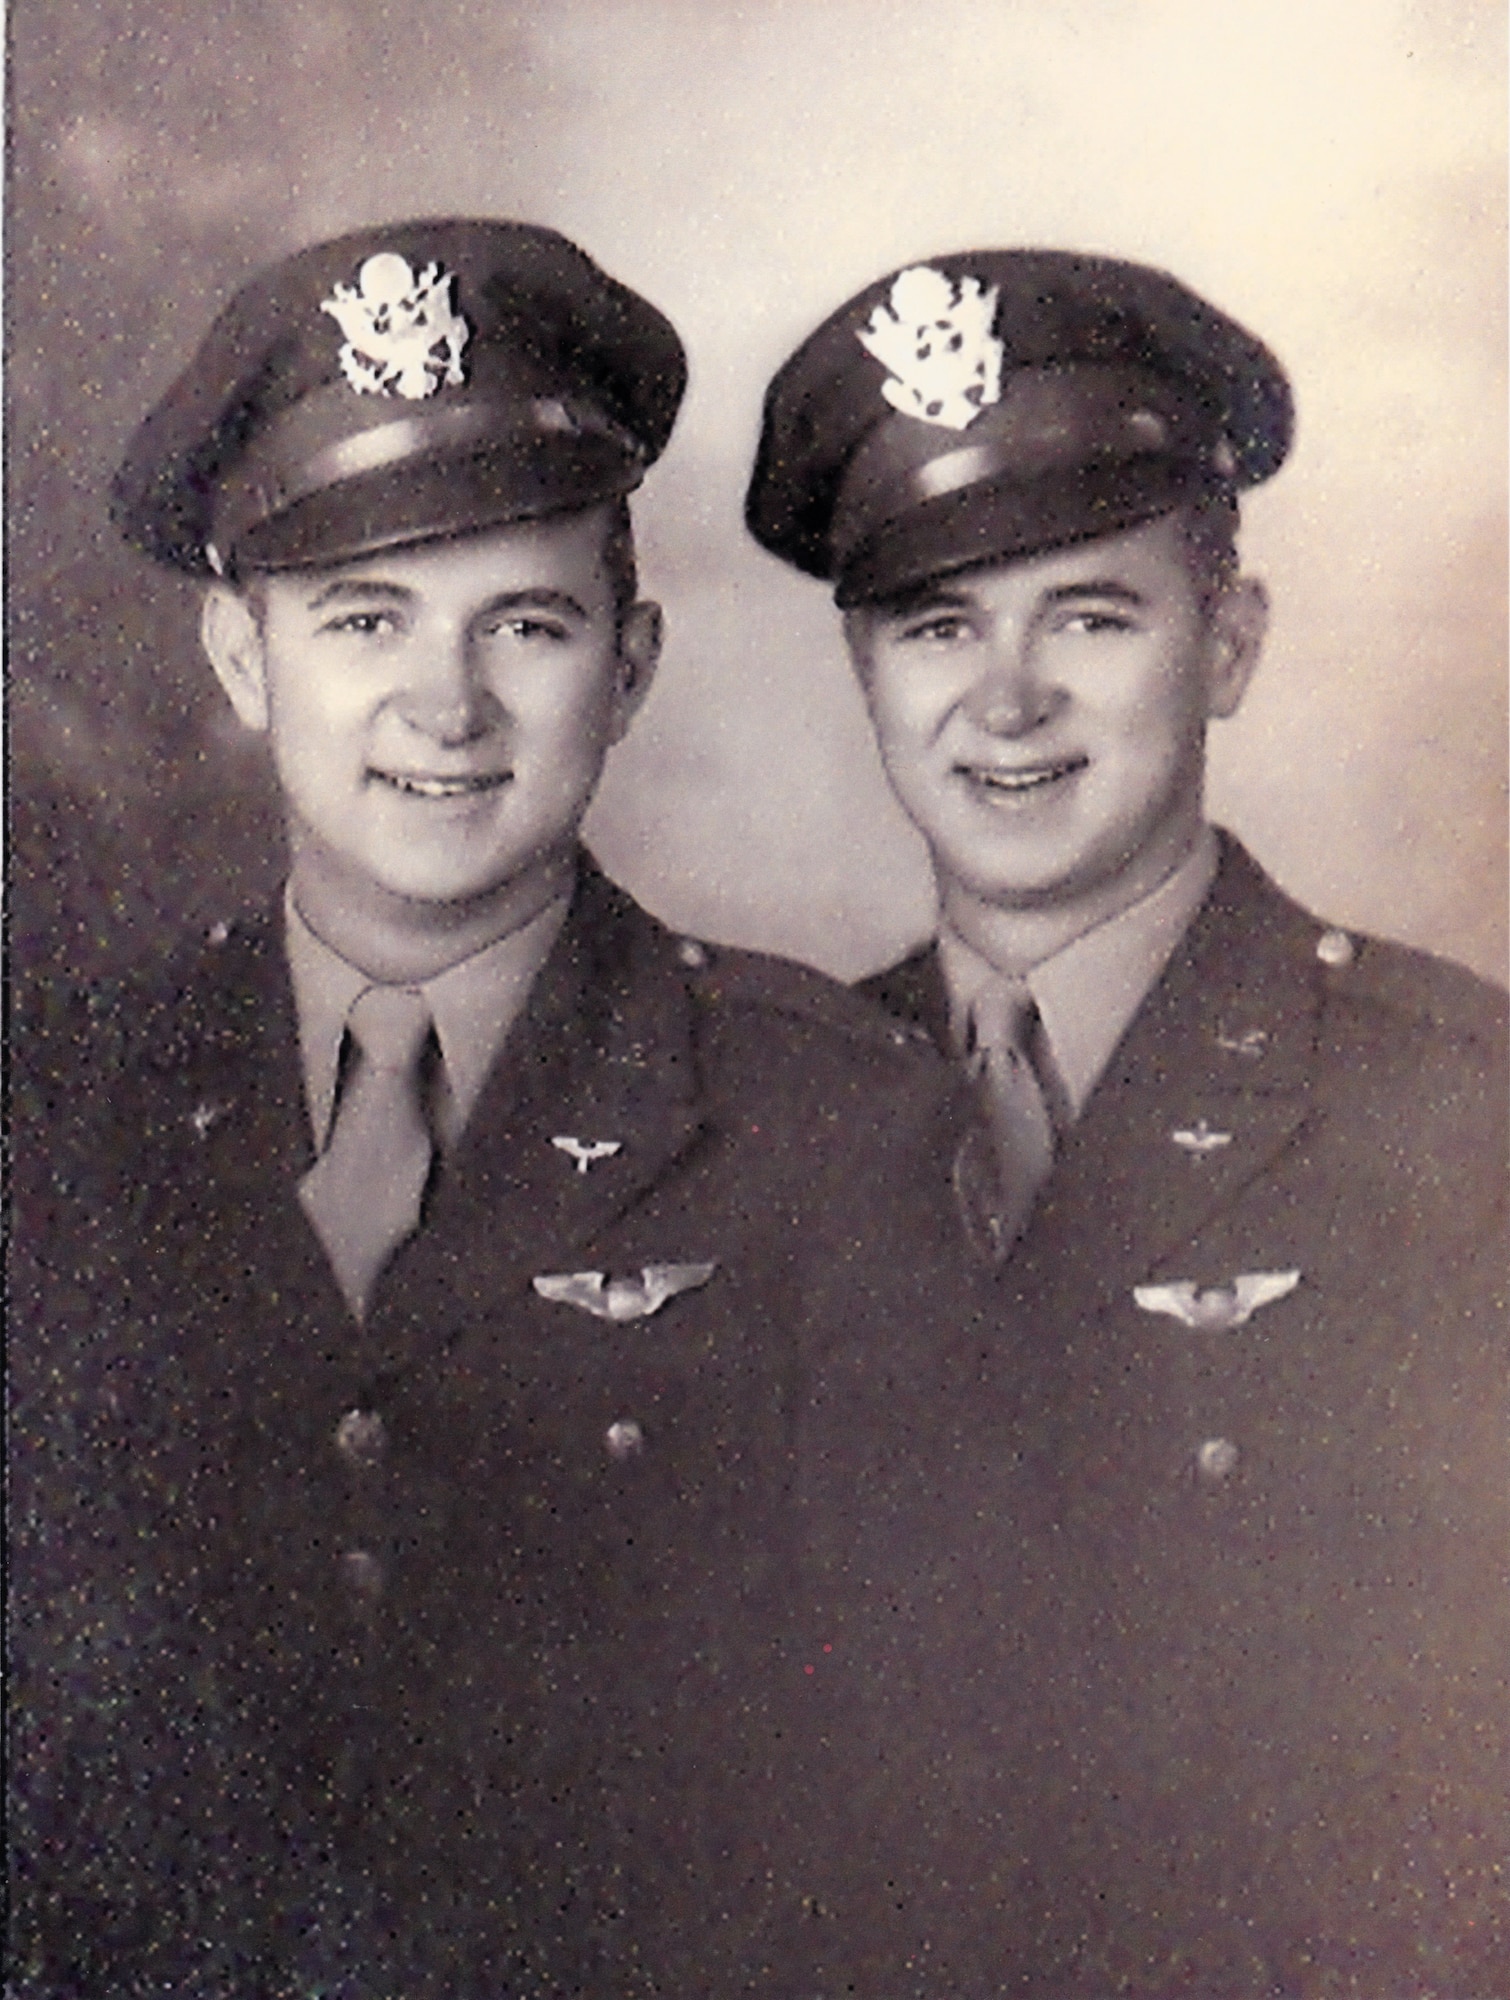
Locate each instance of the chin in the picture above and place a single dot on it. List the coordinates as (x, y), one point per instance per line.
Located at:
(446, 898)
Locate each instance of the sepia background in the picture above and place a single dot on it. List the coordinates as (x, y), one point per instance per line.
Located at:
(1334, 175)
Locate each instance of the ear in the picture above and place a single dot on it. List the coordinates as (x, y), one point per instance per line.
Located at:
(640, 633)
(1239, 620)
(233, 644)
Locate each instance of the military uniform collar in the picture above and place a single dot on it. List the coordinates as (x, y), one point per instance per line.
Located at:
(1088, 992)
(473, 1004)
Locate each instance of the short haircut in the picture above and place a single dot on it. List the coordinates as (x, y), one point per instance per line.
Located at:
(618, 563)
(1209, 531)
(619, 558)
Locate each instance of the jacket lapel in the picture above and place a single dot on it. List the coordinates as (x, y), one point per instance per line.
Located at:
(222, 1064)
(1212, 1082)
(602, 1056)
(223, 1084)
(914, 991)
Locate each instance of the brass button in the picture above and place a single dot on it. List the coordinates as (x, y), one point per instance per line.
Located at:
(1216, 1460)
(625, 1439)
(361, 1572)
(1336, 949)
(692, 954)
(361, 1437)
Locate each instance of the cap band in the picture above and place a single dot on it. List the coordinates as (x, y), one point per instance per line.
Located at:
(311, 448)
(1049, 421)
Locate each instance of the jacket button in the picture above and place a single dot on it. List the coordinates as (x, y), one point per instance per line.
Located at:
(361, 1572)
(625, 1439)
(692, 954)
(1216, 1460)
(1335, 948)
(361, 1437)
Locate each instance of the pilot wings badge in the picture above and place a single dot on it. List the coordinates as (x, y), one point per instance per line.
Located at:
(934, 334)
(623, 1298)
(1221, 1308)
(587, 1152)
(402, 338)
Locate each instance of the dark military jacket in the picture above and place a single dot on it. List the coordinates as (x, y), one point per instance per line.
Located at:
(1168, 1607)
(455, 1654)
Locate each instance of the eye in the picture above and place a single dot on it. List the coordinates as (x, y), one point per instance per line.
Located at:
(528, 628)
(1091, 623)
(363, 624)
(939, 628)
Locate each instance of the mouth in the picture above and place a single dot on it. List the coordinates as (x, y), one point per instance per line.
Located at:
(1021, 781)
(429, 785)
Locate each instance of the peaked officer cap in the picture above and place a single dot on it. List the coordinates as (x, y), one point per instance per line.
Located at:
(996, 403)
(401, 383)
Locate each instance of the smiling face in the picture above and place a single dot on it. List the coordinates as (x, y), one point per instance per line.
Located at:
(1043, 721)
(438, 717)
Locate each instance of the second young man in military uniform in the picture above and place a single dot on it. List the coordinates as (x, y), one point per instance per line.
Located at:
(423, 1273)
(1176, 1659)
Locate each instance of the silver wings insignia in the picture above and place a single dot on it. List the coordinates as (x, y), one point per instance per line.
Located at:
(1220, 1308)
(586, 1152)
(623, 1298)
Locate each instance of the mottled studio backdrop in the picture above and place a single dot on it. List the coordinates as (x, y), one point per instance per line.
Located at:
(1331, 173)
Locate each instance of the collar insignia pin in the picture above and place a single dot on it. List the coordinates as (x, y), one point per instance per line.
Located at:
(624, 1298)
(1200, 1140)
(402, 338)
(586, 1151)
(1222, 1308)
(934, 334)
(1251, 1042)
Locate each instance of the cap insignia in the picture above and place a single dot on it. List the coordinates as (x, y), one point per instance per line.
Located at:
(402, 338)
(935, 336)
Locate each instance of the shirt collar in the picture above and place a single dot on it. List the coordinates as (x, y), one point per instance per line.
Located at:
(473, 1004)
(1088, 992)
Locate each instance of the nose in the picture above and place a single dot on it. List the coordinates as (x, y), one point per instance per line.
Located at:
(446, 695)
(1012, 697)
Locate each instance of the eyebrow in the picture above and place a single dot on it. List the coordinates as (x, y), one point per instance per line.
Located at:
(1108, 587)
(344, 590)
(942, 598)
(539, 598)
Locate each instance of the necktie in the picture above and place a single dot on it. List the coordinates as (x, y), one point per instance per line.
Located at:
(1005, 1025)
(363, 1194)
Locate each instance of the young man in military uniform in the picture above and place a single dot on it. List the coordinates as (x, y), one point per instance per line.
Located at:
(1181, 1658)
(424, 1272)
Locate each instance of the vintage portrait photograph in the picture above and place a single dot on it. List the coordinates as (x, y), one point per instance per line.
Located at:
(757, 936)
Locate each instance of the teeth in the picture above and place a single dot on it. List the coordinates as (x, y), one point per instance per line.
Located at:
(440, 788)
(1021, 781)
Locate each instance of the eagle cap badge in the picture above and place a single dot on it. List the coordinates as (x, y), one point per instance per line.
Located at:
(934, 334)
(402, 336)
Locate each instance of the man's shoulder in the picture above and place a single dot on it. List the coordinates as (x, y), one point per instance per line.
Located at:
(734, 995)
(1362, 984)
(1420, 991)
(70, 1036)
(759, 990)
